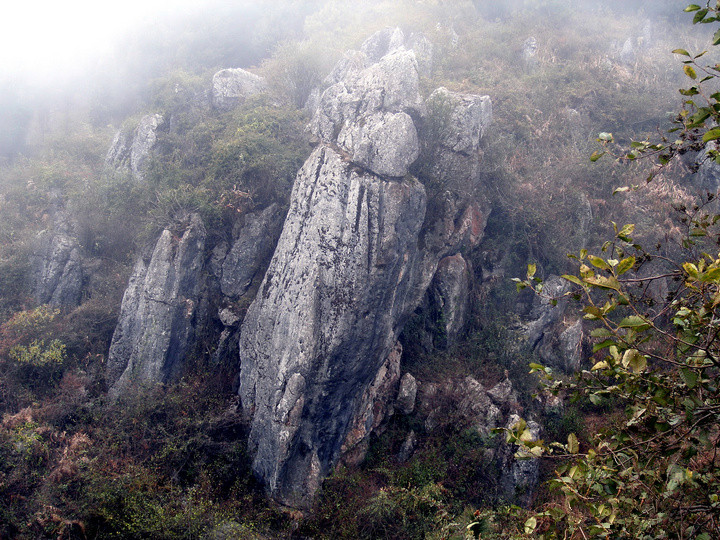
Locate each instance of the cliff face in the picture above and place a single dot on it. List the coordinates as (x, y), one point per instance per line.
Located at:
(355, 258)
(342, 281)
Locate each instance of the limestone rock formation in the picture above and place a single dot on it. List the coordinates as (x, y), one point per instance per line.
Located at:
(407, 393)
(529, 54)
(158, 314)
(319, 365)
(368, 112)
(450, 296)
(554, 333)
(341, 283)
(131, 148)
(231, 86)
(253, 246)
(382, 42)
(376, 404)
(56, 269)
(453, 128)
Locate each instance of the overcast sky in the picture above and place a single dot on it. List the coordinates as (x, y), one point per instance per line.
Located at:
(59, 36)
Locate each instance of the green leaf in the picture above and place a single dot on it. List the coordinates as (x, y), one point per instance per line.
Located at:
(530, 525)
(572, 279)
(604, 282)
(605, 137)
(691, 7)
(597, 262)
(625, 265)
(690, 72)
(532, 268)
(634, 360)
(700, 15)
(691, 270)
(596, 155)
(601, 333)
(603, 344)
(711, 135)
(681, 51)
(573, 446)
(633, 321)
(690, 377)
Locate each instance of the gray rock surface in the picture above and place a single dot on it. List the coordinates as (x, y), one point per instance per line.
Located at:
(571, 341)
(463, 403)
(376, 405)
(367, 113)
(627, 52)
(405, 401)
(408, 447)
(252, 248)
(544, 314)
(450, 293)
(386, 143)
(343, 279)
(231, 86)
(56, 269)
(131, 148)
(382, 42)
(155, 329)
(454, 125)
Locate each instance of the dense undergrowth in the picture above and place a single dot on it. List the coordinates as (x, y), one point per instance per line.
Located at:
(170, 462)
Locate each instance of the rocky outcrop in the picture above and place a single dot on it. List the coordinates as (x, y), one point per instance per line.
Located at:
(454, 125)
(341, 282)
(529, 54)
(231, 87)
(450, 297)
(405, 401)
(56, 269)
(56, 265)
(158, 316)
(319, 365)
(252, 248)
(553, 332)
(131, 148)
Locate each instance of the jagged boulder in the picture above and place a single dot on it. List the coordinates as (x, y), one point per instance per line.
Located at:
(57, 274)
(367, 113)
(450, 296)
(454, 125)
(407, 393)
(232, 86)
(131, 148)
(554, 332)
(158, 315)
(253, 247)
(343, 279)
(382, 42)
